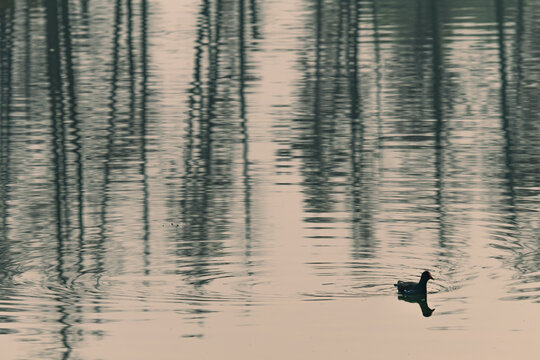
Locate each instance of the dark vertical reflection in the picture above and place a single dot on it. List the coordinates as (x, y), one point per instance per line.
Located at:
(378, 74)
(58, 129)
(84, 14)
(58, 118)
(27, 54)
(131, 60)
(505, 116)
(524, 135)
(144, 97)
(329, 132)
(316, 145)
(508, 126)
(214, 127)
(111, 135)
(6, 61)
(217, 179)
(195, 202)
(196, 95)
(244, 126)
(253, 6)
(317, 132)
(66, 308)
(361, 207)
(437, 66)
(75, 130)
(518, 53)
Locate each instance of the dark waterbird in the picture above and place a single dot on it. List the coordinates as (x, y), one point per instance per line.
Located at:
(412, 289)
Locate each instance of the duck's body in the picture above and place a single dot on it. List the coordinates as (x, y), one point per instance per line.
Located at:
(410, 288)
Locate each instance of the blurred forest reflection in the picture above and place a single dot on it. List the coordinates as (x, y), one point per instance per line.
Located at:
(144, 146)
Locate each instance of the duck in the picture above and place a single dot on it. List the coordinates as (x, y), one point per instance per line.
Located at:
(412, 289)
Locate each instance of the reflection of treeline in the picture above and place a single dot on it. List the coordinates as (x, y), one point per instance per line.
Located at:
(329, 132)
(74, 137)
(216, 157)
(90, 91)
(378, 82)
(519, 103)
(6, 60)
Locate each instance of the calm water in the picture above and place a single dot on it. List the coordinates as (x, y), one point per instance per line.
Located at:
(247, 179)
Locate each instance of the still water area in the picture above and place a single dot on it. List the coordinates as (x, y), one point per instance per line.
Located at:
(247, 179)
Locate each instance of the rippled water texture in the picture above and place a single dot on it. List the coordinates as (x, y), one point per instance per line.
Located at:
(247, 179)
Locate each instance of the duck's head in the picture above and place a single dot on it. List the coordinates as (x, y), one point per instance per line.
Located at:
(426, 275)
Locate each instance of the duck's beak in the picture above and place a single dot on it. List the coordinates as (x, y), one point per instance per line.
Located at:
(431, 277)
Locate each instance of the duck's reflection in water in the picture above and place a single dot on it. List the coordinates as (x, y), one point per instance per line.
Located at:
(420, 300)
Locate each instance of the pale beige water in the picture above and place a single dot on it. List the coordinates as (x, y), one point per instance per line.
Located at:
(248, 179)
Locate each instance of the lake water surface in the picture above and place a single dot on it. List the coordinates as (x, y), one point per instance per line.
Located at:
(247, 179)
